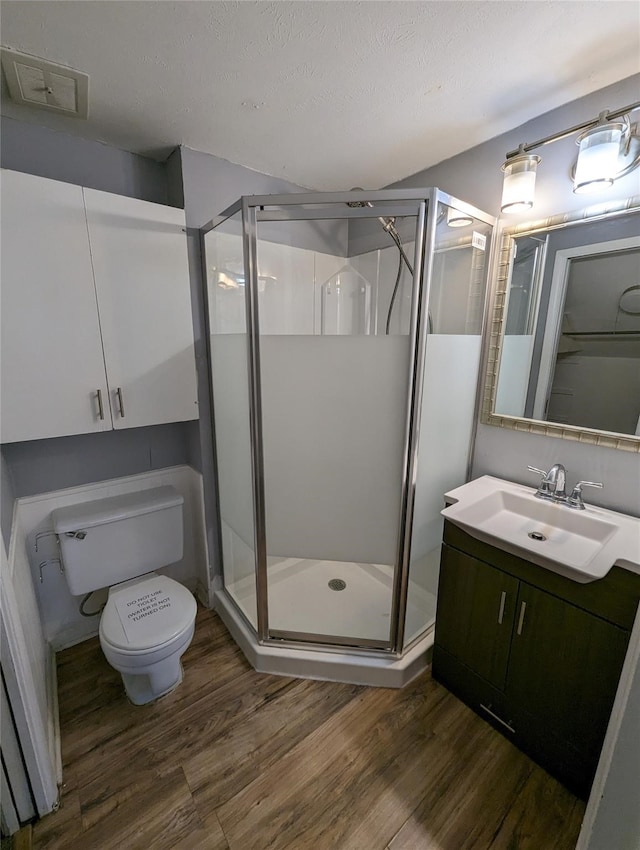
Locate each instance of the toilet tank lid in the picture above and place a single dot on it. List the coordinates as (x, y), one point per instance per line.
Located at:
(113, 508)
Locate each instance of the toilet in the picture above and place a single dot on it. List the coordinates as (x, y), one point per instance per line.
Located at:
(149, 619)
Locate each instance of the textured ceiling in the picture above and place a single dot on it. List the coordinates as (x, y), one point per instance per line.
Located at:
(326, 94)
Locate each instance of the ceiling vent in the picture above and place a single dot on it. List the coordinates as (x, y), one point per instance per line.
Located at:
(45, 85)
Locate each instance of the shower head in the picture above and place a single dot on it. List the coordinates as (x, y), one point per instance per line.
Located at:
(387, 223)
(358, 203)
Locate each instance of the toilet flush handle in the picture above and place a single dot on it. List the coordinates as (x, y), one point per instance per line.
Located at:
(77, 535)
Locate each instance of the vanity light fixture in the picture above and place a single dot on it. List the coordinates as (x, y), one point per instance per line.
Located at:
(518, 188)
(609, 149)
(598, 158)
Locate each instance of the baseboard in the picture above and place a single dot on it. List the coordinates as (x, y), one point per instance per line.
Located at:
(55, 740)
(202, 595)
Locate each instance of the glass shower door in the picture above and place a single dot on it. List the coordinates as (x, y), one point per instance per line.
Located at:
(227, 314)
(457, 292)
(334, 395)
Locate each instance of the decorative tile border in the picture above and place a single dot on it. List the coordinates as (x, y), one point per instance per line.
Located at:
(624, 442)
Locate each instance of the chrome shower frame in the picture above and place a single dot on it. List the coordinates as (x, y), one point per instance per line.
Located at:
(336, 205)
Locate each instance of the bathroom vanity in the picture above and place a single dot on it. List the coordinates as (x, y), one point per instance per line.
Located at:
(534, 652)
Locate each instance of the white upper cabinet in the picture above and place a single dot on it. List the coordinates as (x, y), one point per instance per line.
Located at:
(96, 312)
(52, 369)
(139, 254)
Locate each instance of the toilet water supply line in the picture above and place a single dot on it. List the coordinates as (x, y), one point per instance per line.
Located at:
(43, 564)
(85, 599)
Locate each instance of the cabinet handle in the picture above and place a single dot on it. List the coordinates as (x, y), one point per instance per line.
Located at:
(499, 719)
(523, 608)
(120, 401)
(503, 599)
(100, 405)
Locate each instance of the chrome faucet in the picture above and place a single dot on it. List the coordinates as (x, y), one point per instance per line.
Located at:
(553, 487)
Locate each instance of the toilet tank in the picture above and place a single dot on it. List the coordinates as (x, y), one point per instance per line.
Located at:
(107, 541)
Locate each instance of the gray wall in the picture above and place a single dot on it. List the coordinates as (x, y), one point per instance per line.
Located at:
(7, 496)
(60, 156)
(211, 184)
(475, 176)
(38, 466)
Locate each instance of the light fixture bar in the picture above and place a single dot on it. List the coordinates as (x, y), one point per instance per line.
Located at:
(609, 116)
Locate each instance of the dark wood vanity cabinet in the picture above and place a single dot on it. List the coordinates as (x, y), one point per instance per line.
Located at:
(537, 655)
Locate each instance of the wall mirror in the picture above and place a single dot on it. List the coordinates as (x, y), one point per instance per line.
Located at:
(564, 345)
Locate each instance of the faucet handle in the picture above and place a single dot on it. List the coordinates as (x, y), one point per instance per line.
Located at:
(575, 499)
(544, 490)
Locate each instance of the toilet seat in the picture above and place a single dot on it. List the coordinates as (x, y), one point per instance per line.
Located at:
(146, 614)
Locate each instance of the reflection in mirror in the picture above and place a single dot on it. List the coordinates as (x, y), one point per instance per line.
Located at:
(569, 352)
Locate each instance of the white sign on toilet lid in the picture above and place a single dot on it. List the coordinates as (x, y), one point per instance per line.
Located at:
(142, 616)
(149, 613)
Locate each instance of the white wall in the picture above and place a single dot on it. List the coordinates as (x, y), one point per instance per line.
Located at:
(451, 368)
(28, 668)
(513, 381)
(612, 817)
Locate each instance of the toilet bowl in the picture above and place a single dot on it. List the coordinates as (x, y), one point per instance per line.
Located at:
(146, 626)
(148, 621)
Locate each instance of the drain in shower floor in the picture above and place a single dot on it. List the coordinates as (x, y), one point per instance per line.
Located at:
(337, 584)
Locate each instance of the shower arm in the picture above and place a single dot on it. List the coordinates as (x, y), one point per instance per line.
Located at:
(388, 225)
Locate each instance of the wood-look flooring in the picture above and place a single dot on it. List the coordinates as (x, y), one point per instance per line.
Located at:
(238, 760)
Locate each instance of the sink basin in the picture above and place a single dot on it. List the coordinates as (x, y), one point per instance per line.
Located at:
(581, 545)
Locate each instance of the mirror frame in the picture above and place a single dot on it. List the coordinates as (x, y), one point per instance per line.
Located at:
(493, 343)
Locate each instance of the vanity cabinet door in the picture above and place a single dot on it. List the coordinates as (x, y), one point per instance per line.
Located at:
(52, 369)
(139, 254)
(564, 668)
(475, 616)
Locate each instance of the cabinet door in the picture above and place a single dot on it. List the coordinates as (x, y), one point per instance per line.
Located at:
(564, 668)
(52, 364)
(139, 254)
(474, 620)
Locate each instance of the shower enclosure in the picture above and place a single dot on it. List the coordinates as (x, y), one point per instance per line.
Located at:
(344, 340)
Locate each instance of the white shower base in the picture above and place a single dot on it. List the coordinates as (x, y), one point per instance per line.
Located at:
(301, 601)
